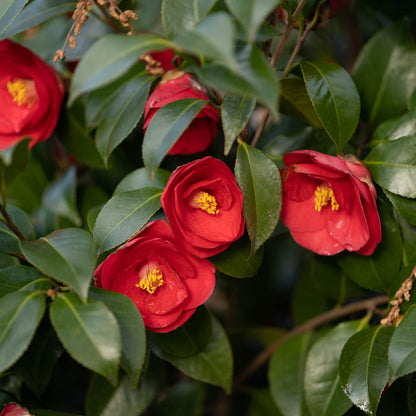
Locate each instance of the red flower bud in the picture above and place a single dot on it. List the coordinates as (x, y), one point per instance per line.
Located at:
(31, 95)
(329, 203)
(204, 206)
(177, 85)
(13, 409)
(165, 282)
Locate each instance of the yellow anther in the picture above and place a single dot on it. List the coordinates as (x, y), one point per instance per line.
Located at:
(206, 202)
(323, 195)
(23, 92)
(151, 282)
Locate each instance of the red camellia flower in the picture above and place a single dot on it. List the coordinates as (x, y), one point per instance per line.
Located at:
(329, 203)
(204, 206)
(31, 95)
(13, 409)
(178, 85)
(165, 282)
(165, 58)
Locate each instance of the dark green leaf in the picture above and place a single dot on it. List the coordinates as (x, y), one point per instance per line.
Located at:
(179, 16)
(123, 215)
(393, 166)
(385, 71)
(47, 412)
(67, 255)
(9, 242)
(9, 9)
(20, 314)
(363, 368)
(138, 179)
(259, 180)
(334, 97)
(236, 111)
(405, 206)
(22, 221)
(262, 403)
(110, 57)
(7, 261)
(286, 375)
(165, 128)
(133, 334)
(89, 332)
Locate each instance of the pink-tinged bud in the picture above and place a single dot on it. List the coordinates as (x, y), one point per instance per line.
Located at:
(13, 409)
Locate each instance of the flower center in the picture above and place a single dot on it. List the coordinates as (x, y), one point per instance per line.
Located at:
(206, 202)
(151, 282)
(23, 91)
(323, 195)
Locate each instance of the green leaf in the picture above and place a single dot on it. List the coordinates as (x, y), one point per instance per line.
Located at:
(60, 196)
(133, 334)
(259, 180)
(323, 391)
(286, 373)
(138, 179)
(213, 365)
(261, 403)
(402, 350)
(123, 215)
(334, 97)
(393, 166)
(363, 368)
(22, 221)
(20, 314)
(165, 128)
(22, 278)
(122, 113)
(385, 71)
(67, 255)
(237, 261)
(236, 111)
(188, 339)
(9, 9)
(89, 332)
(251, 13)
(9, 242)
(110, 57)
(35, 13)
(405, 206)
(179, 16)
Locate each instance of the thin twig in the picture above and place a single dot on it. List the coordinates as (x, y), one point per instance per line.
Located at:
(108, 18)
(10, 222)
(309, 325)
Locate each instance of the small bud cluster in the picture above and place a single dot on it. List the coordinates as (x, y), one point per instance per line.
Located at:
(122, 16)
(153, 67)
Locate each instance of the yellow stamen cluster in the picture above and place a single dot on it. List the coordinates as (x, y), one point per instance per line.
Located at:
(19, 91)
(206, 202)
(153, 280)
(324, 195)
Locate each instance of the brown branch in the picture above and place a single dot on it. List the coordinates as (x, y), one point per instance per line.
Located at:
(309, 325)
(10, 223)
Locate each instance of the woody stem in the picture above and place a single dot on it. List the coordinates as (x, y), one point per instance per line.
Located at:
(9, 222)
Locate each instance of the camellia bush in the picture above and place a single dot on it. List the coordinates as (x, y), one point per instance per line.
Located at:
(208, 207)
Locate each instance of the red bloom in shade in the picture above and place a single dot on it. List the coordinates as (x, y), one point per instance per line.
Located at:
(338, 5)
(165, 282)
(177, 85)
(204, 206)
(13, 409)
(165, 58)
(329, 203)
(31, 95)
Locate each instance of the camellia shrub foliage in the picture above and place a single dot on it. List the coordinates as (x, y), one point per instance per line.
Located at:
(208, 207)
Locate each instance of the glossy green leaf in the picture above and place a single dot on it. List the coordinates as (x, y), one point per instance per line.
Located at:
(165, 128)
(67, 255)
(110, 57)
(8, 261)
(22, 221)
(213, 365)
(60, 196)
(238, 261)
(138, 179)
(133, 334)
(259, 180)
(20, 314)
(393, 166)
(261, 403)
(363, 368)
(286, 375)
(251, 13)
(402, 351)
(236, 111)
(123, 215)
(295, 101)
(334, 97)
(405, 206)
(121, 113)
(323, 391)
(179, 16)
(408, 241)
(35, 13)
(9, 242)
(385, 71)
(22, 278)
(9, 9)
(89, 332)
(190, 338)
